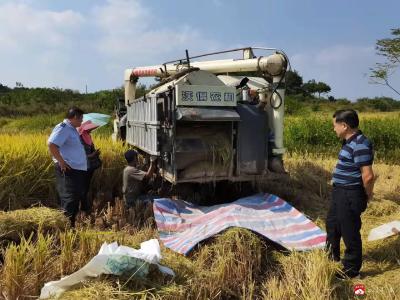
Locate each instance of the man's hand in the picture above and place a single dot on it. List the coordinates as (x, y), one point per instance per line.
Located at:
(370, 197)
(94, 153)
(55, 152)
(64, 166)
(152, 166)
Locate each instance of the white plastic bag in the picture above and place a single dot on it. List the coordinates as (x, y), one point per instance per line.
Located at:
(111, 259)
(384, 231)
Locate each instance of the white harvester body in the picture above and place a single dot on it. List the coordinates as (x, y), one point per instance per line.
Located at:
(210, 120)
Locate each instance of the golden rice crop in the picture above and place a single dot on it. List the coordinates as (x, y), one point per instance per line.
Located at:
(27, 171)
(23, 222)
(236, 264)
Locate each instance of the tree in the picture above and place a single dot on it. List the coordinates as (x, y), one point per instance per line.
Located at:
(311, 87)
(293, 82)
(322, 88)
(19, 84)
(390, 49)
(381, 73)
(4, 88)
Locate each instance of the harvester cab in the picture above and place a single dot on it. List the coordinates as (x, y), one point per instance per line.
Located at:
(210, 121)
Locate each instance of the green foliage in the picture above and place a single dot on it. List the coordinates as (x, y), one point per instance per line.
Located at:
(4, 88)
(33, 101)
(294, 82)
(309, 134)
(38, 123)
(377, 104)
(295, 85)
(294, 104)
(390, 49)
(311, 87)
(300, 104)
(313, 134)
(322, 88)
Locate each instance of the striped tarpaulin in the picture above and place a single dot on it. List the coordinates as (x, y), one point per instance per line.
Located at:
(182, 225)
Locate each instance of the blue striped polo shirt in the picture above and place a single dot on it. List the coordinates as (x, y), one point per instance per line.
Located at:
(356, 152)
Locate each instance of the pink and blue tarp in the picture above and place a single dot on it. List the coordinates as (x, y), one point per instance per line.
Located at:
(182, 225)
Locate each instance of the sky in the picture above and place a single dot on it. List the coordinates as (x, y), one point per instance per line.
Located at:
(89, 43)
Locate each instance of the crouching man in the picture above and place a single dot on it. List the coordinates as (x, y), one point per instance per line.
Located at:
(135, 180)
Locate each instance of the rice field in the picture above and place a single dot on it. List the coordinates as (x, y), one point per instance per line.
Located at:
(37, 246)
(314, 134)
(27, 172)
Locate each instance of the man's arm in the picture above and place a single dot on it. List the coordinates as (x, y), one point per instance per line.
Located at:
(53, 148)
(368, 179)
(151, 169)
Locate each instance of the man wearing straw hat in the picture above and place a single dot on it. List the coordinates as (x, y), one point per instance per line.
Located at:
(70, 162)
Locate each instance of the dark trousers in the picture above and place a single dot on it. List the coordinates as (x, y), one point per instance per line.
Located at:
(70, 188)
(344, 221)
(86, 203)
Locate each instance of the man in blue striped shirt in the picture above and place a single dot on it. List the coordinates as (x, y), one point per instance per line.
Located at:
(353, 182)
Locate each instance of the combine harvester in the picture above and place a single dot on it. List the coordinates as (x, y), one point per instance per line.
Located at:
(210, 121)
(218, 121)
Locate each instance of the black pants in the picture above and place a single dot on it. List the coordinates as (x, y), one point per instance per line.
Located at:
(86, 203)
(344, 221)
(70, 188)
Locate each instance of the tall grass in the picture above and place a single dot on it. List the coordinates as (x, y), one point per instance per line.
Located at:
(38, 123)
(67, 243)
(42, 256)
(306, 276)
(314, 134)
(236, 264)
(17, 223)
(16, 269)
(27, 173)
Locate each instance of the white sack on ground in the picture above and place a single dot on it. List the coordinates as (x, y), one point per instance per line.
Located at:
(384, 231)
(111, 259)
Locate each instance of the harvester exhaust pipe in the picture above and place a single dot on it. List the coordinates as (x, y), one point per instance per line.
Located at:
(272, 101)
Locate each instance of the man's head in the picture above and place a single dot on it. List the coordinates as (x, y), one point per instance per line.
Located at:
(131, 156)
(345, 122)
(75, 116)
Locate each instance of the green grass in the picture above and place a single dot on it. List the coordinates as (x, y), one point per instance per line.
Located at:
(43, 123)
(314, 134)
